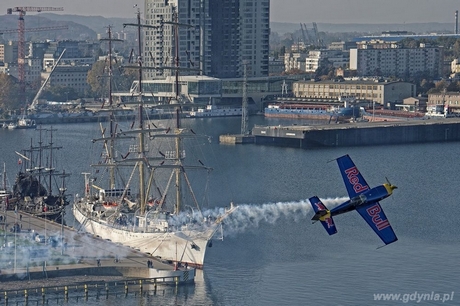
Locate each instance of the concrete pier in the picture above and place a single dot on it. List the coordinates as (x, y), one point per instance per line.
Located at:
(236, 139)
(25, 258)
(359, 133)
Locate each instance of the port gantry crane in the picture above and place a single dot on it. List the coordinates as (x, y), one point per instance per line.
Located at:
(21, 37)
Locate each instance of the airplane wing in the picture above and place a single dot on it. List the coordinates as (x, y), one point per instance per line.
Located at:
(353, 179)
(375, 217)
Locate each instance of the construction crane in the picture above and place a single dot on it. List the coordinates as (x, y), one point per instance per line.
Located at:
(35, 100)
(21, 38)
(307, 33)
(304, 36)
(11, 31)
(319, 40)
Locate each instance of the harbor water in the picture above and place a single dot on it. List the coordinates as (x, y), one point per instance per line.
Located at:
(271, 253)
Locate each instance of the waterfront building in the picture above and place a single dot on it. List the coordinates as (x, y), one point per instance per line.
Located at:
(383, 58)
(69, 76)
(381, 92)
(413, 104)
(451, 98)
(201, 90)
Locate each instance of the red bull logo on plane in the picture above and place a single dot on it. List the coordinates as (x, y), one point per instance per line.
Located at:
(329, 222)
(352, 175)
(320, 206)
(374, 212)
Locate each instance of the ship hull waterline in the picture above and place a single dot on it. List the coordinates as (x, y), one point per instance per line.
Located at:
(186, 246)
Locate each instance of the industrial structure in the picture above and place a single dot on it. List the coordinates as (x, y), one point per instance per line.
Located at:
(21, 37)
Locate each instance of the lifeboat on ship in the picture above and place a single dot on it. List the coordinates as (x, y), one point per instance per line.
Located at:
(110, 205)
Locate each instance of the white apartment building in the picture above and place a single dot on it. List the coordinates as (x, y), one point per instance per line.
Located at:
(382, 58)
(295, 60)
(455, 66)
(2, 53)
(380, 92)
(316, 58)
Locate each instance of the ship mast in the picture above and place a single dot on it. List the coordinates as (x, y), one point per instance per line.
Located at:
(179, 154)
(111, 150)
(178, 123)
(50, 169)
(141, 143)
(178, 141)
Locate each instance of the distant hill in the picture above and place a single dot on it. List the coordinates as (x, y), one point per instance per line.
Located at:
(98, 24)
(419, 28)
(79, 27)
(87, 27)
(75, 30)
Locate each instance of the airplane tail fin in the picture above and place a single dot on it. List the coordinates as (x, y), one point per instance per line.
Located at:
(323, 215)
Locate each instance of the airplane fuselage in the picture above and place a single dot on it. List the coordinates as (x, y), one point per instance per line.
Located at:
(366, 198)
(363, 199)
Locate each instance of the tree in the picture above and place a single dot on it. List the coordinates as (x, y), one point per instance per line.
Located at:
(95, 79)
(454, 86)
(60, 93)
(425, 86)
(439, 87)
(122, 79)
(9, 98)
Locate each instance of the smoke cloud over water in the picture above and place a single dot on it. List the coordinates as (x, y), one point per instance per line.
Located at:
(250, 216)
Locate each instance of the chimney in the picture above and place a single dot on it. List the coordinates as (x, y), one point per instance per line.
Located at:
(456, 22)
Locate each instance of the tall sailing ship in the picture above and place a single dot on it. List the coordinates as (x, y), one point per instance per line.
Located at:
(39, 188)
(163, 217)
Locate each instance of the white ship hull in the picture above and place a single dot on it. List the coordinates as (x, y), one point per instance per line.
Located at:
(185, 246)
(214, 111)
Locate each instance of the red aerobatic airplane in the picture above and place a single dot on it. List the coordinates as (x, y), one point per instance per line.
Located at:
(362, 199)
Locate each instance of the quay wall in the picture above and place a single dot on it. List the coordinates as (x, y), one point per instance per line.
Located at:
(368, 134)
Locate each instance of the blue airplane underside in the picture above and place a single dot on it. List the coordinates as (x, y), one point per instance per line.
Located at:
(363, 199)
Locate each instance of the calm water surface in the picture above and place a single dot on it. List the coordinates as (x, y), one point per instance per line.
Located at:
(271, 254)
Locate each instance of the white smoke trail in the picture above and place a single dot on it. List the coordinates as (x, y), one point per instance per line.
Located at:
(248, 216)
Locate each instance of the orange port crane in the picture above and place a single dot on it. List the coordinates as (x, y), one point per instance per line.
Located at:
(21, 37)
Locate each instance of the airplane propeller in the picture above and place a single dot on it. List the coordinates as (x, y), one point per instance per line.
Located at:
(392, 187)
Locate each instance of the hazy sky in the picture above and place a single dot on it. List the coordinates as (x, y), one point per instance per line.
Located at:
(328, 11)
